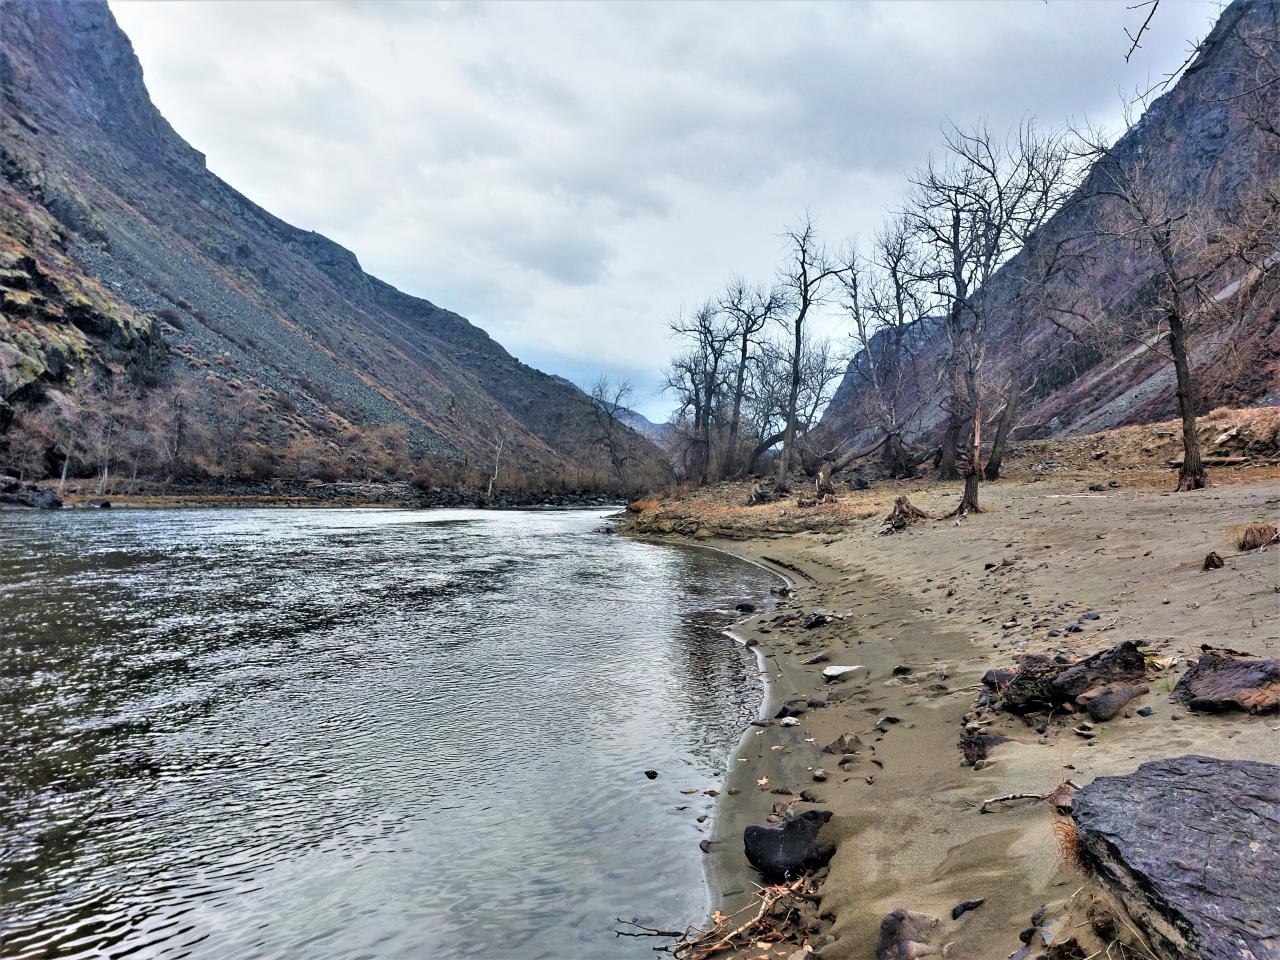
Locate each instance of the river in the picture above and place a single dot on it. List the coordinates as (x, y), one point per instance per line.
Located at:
(325, 734)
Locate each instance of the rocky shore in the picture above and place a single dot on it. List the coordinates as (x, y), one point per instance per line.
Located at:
(947, 692)
(287, 492)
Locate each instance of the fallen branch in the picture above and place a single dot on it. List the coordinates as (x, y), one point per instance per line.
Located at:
(1053, 794)
(643, 931)
(763, 920)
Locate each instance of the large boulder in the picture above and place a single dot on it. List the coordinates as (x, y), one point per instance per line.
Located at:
(787, 850)
(1189, 846)
(1229, 680)
(46, 500)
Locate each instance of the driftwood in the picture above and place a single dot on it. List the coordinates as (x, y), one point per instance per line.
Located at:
(904, 514)
(1060, 795)
(1210, 460)
(764, 920)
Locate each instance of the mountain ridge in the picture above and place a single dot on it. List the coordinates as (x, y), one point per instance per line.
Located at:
(1216, 154)
(185, 274)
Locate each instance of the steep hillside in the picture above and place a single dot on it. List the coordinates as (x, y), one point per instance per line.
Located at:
(1202, 133)
(121, 252)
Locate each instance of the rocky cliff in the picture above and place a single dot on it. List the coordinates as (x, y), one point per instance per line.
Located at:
(120, 251)
(1203, 131)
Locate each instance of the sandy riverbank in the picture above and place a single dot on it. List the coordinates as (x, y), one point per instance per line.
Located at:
(934, 601)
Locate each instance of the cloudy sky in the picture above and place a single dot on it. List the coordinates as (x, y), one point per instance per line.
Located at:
(567, 175)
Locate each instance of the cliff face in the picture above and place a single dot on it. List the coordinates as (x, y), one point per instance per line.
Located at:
(119, 249)
(1201, 132)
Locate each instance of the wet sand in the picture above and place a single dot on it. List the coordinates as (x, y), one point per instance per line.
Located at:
(907, 820)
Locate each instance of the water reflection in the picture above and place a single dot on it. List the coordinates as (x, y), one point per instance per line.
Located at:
(355, 733)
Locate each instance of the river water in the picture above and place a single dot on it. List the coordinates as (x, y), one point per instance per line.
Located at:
(357, 733)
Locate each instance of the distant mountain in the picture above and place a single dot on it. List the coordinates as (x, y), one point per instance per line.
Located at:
(657, 432)
(1196, 130)
(121, 252)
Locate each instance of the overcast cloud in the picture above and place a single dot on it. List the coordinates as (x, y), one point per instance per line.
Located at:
(568, 175)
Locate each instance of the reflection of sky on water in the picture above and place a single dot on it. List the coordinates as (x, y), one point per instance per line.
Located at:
(267, 733)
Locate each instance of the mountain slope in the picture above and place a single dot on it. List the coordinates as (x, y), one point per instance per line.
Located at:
(1199, 131)
(120, 250)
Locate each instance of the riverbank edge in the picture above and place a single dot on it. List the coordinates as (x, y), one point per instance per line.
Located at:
(919, 843)
(731, 881)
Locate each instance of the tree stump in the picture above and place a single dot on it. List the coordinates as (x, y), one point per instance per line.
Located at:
(904, 514)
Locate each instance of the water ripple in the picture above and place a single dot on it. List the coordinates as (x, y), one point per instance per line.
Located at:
(349, 734)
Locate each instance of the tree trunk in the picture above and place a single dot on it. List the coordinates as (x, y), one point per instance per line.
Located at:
(793, 398)
(731, 454)
(1192, 475)
(760, 449)
(950, 447)
(853, 455)
(1008, 417)
(969, 502)
(895, 459)
(66, 459)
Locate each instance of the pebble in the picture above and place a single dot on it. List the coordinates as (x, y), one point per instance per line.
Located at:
(651, 774)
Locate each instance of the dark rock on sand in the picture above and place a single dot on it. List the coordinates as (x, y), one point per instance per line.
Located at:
(1030, 688)
(651, 774)
(845, 743)
(1188, 845)
(1044, 681)
(999, 677)
(1122, 663)
(1105, 702)
(978, 747)
(905, 936)
(964, 906)
(787, 850)
(1229, 680)
(815, 620)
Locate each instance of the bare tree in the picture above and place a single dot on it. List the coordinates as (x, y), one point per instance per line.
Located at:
(806, 280)
(747, 310)
(697, 377)
(611, 400)
(497, 464)
(972, 212)
(886, 302)
(1042, 275)
(1195, 266)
